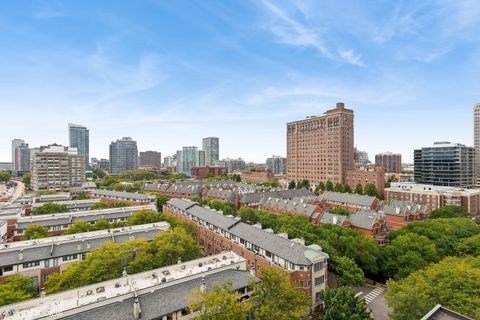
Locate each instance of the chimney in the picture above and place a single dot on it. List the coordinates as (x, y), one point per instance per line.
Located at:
(137, 312)
(203, 286)
(340, 105)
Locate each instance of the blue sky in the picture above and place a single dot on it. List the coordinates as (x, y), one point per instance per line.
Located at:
(168, 73)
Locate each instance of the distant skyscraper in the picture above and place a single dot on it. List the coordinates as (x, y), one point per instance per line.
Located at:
(123, 155)
(445, 164)
(15, 144)
(22, 159)
(189, 159)
(211, 147)
(476, 141)
(56, 167)
(179, 161)
(277, 164)
(361, 157)
(200, 158)
(150, 159)
(232, 165)
(78, 137)
(321, 148)
(391, 162)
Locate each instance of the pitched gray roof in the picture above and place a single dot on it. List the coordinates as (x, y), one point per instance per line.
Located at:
(163, 301)
(348, 198)
(256, 197)
(400, 208)
(10, 256)
(330, 218)
(119, 194)
(364, 219)
(296, 205)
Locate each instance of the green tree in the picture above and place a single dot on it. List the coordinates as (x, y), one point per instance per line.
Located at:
(371, 190)
(49, 208)
(349, 274)
(79, 226)
(469, 246)
(100, 205)
(406, 254)
(454, 283)
(5, 176)
(346, 188)
(17, 288)
(101, 225)
(340, 211)
(304, 184)
(26, 180)
(329, 186)
(319, 188)
(292, 185)
(275, 297)
(161, 201)
(449, 212)
(81, 196)
(143, 216)
(341, 304)
(98, 173)
(35, 231)
(359, 189)
(219, 303)
(338, 187)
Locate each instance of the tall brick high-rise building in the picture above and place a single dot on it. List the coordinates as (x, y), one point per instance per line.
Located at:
(321, 148)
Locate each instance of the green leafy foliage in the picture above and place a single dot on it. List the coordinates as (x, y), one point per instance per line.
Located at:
(349, 274)
(17, 288)
(80, 196)
(143, 216)
(449, 212)
(371, 190)
(136, 255)
(469, 246)
(49, 208)
(340, 211)
(292, 185)
(219, 303)
(359, 189)
(275, 297)
(329, 186)
(341, 304)
(5, 176)
(454, 283)
(406, 254)
(26, 180)
(35, 231)
(304, 184)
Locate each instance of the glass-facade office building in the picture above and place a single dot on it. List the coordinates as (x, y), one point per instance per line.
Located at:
(123, 155)
(79, 138)
(445, 164)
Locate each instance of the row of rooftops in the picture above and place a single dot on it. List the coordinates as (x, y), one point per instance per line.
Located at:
(13, 253)
(154, 293)
(290, 250)
(71, 217)
(417, 187)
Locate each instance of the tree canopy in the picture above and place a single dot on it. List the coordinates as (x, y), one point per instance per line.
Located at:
(359, 189)
(136, 255)
(275, 297)
(454, 283)
(5, 176)
(218, 303)
(449, 212)
(371, 190)
(17, 288)
(341, 304)
(34, 231)
(49, 208)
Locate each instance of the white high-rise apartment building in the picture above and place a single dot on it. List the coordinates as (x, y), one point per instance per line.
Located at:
(476, 141)
(56, 167)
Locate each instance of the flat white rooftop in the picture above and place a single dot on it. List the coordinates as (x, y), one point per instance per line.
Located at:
(82, 236)
(429, 187)
(56, 305)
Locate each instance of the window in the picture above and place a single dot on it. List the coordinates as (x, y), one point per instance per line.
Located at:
(31, 264)
(301, 283)
(319, 281)
(318, 297)
(318, 266)
(7, 268)
(69, 257)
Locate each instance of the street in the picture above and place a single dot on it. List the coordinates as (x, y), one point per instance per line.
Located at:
(375, 299)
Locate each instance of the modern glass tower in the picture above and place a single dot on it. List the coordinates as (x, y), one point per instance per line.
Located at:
(123, 155)
(78, 137)
(15, 143)
(189, 159)
(211, 147)
(445, 164)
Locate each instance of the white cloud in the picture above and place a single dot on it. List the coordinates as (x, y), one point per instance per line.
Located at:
(351, 57)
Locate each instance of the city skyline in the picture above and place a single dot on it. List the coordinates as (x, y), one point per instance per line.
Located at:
(168, 74)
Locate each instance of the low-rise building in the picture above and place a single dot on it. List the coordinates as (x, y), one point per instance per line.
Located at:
(370, 223)
(39, 258)
(216, 232)
(59, 222)
(368, 174)
(72, 205)
(439, 312)
(435, 197)
(349, 201)
(400, 213)
(156, 294)
(132, 197)
(207, 171)
(179, 189)
(293, 206)
(257, 176)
